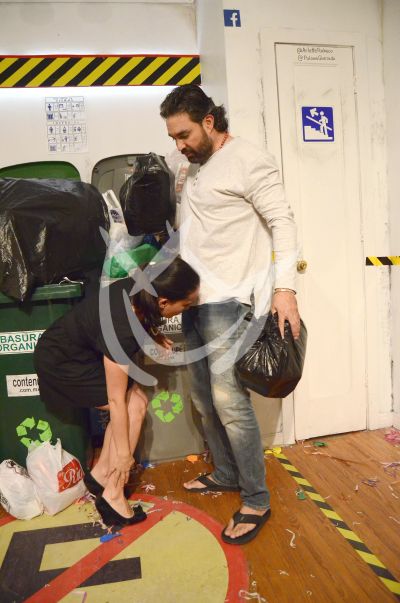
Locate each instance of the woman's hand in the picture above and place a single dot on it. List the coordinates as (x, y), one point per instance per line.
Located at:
(163, 341)
(123, 465)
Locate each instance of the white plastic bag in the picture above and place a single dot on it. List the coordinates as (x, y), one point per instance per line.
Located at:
(57, 476)
(118, 238)
(179, 166)
(18, 495)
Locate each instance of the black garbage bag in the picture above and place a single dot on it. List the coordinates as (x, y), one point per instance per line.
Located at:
(48, 229)
(273, 366)
(148, 197)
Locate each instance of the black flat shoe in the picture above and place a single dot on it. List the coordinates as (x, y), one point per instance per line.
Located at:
(97, 489)
(111, 517)
(92, 485)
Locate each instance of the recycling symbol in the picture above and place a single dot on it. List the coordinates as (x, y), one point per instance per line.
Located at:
(24, 431)
(167, 406)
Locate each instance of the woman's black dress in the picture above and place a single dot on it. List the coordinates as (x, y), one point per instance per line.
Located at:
(69, 355)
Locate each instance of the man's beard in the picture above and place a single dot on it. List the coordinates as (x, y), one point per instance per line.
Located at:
(202, 153)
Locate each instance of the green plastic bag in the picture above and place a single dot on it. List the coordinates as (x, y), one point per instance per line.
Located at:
(119, 265)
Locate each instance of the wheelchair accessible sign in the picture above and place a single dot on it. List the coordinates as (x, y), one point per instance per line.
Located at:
(317, 124)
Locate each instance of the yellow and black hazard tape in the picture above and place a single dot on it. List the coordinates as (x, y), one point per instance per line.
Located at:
(92, 70)
(382, 260)
(377, 566)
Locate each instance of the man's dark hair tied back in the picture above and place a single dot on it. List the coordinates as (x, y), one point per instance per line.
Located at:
(191, 99)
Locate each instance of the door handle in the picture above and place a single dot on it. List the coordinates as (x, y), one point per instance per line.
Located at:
(301, 266)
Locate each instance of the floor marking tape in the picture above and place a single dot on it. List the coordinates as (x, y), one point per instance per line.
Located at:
(355, 541)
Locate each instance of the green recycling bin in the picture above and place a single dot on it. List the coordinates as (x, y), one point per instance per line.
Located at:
(172, 426)
(24, 418)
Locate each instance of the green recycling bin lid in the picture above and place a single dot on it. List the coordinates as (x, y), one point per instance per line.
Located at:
(49, 292)
(41, 169)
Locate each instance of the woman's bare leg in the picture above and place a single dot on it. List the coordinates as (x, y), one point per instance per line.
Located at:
(114, 493)
(102, 468)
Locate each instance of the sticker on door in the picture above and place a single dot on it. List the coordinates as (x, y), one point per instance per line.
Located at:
(317, 124)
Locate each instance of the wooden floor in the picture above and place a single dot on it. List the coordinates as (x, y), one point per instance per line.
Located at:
(322, 567)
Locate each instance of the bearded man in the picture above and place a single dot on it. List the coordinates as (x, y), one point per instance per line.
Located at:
(233, 215)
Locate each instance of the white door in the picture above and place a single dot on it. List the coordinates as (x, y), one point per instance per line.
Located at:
(318, 148)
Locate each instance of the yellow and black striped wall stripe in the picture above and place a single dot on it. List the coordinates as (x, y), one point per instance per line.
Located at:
(382, 260)
(374, 563)
(94, 70)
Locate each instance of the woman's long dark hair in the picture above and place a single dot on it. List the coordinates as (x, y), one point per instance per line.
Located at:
(175, 282)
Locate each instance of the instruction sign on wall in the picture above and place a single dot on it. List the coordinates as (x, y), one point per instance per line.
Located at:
(317, 124)
(66, 124)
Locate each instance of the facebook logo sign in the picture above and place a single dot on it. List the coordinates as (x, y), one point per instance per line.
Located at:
(232, 18)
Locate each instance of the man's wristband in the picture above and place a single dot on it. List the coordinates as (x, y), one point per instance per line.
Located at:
(278, 289)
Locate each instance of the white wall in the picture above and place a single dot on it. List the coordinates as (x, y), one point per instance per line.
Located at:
(120, 120)
(211, 44)
(391, 52)
(243, 53)
(363, 18)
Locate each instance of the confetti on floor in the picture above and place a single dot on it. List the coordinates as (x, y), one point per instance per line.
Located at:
(371, 481)
(301, 495)
(393, 436)
(391, 468)
(292, 543)
(243, 594)
(148, 488)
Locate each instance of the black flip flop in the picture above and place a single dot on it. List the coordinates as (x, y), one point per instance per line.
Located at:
(239, 517)
(211, 486)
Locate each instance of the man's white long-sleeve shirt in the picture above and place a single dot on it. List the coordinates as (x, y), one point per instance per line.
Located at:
(233, 214)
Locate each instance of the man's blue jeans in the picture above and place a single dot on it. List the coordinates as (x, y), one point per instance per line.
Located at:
(227, 414)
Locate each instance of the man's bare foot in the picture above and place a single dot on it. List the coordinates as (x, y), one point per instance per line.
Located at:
(242, 528)
(195, 483)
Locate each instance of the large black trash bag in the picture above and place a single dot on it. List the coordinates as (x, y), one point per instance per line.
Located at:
(148, 197)
(48, 229)
(273, 366)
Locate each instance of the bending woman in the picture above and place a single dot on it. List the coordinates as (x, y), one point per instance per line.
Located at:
(81, 362)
